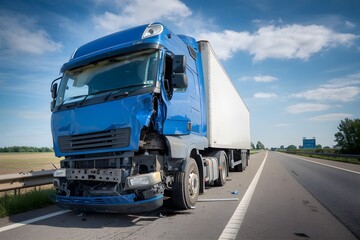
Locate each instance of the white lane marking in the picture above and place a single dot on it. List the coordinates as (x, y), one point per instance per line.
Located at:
(236, 220)
(15, 225)
(344, 169)
(217, 199)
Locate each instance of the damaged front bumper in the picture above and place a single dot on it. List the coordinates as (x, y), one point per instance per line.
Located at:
(110, 204)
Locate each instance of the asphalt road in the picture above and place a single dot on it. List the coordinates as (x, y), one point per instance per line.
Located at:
(293, 199)
(337, 190)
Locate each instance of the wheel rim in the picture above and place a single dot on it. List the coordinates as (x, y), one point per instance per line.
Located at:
(193, 184)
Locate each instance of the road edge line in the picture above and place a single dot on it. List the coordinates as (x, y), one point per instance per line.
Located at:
(324, 164)
(16, 225)
(234, 224)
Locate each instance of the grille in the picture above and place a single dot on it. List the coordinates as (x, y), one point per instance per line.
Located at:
(116, 138)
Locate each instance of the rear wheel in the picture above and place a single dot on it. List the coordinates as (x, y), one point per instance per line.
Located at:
(186, 186)
(241, 167)
(223, 169)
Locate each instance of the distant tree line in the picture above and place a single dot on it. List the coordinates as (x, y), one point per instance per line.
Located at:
(348, 137)
(258, 146)
(25, 149)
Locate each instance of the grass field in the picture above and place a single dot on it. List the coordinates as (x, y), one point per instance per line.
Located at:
(25, 162)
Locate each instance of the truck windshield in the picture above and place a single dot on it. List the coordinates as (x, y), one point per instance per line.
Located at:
(123, 74)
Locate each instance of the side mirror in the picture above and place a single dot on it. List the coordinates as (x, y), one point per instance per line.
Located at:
(179, 64)
(54, 88)
(54, 93)
(179, 80)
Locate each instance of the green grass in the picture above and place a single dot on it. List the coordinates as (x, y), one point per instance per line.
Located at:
(314, 154)
(253, 151)
(338, 159)
(13, 204)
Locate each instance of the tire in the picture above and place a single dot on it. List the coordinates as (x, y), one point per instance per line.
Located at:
(186, 186)
(241, 167)
(223, 169)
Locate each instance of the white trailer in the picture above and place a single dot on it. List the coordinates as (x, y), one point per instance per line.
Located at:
(228, 118)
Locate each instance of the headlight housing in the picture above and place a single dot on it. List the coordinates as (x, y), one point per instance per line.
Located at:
(142, 180)
(60, 173)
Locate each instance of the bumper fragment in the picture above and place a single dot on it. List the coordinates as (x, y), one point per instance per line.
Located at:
(113, 204)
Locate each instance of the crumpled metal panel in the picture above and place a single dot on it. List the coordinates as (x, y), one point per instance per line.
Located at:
(133, 112)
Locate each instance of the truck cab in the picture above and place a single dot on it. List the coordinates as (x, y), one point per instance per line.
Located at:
(129, 114)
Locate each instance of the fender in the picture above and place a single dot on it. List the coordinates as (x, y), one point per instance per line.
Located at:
(180, 146)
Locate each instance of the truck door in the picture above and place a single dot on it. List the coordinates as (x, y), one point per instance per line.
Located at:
(182, 104)
(194, 100)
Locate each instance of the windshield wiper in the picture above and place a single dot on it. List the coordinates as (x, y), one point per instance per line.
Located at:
(71, 98)
(92, 94)
(138, 85)
(121, 94)
(116, 95)
(111, 91)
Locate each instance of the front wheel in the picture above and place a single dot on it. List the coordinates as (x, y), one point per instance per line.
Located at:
(186, 186)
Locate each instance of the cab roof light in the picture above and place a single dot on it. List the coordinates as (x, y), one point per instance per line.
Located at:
(152, 30)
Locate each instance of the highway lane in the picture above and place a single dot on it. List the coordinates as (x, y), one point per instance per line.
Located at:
(336, 189)
(281, 208)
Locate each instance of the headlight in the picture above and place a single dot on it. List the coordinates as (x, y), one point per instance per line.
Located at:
(60, 173)
(139, 181)
(143, 180)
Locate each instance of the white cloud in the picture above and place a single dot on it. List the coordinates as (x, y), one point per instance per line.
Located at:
(246, 78)
(21, 34)
(330, 117)
(264, 78)
(285, 42)
(258, 78)
(132, 13)
(235, 41)
(349, 24)
(306, 107)
(350, 80)
(344, 94)
(264, 95)
(342, 89)
(281, 42)
(296, 41)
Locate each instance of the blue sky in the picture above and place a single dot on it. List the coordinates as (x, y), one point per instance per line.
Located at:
(296, 65)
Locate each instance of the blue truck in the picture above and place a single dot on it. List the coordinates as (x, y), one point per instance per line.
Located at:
(141, 115)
